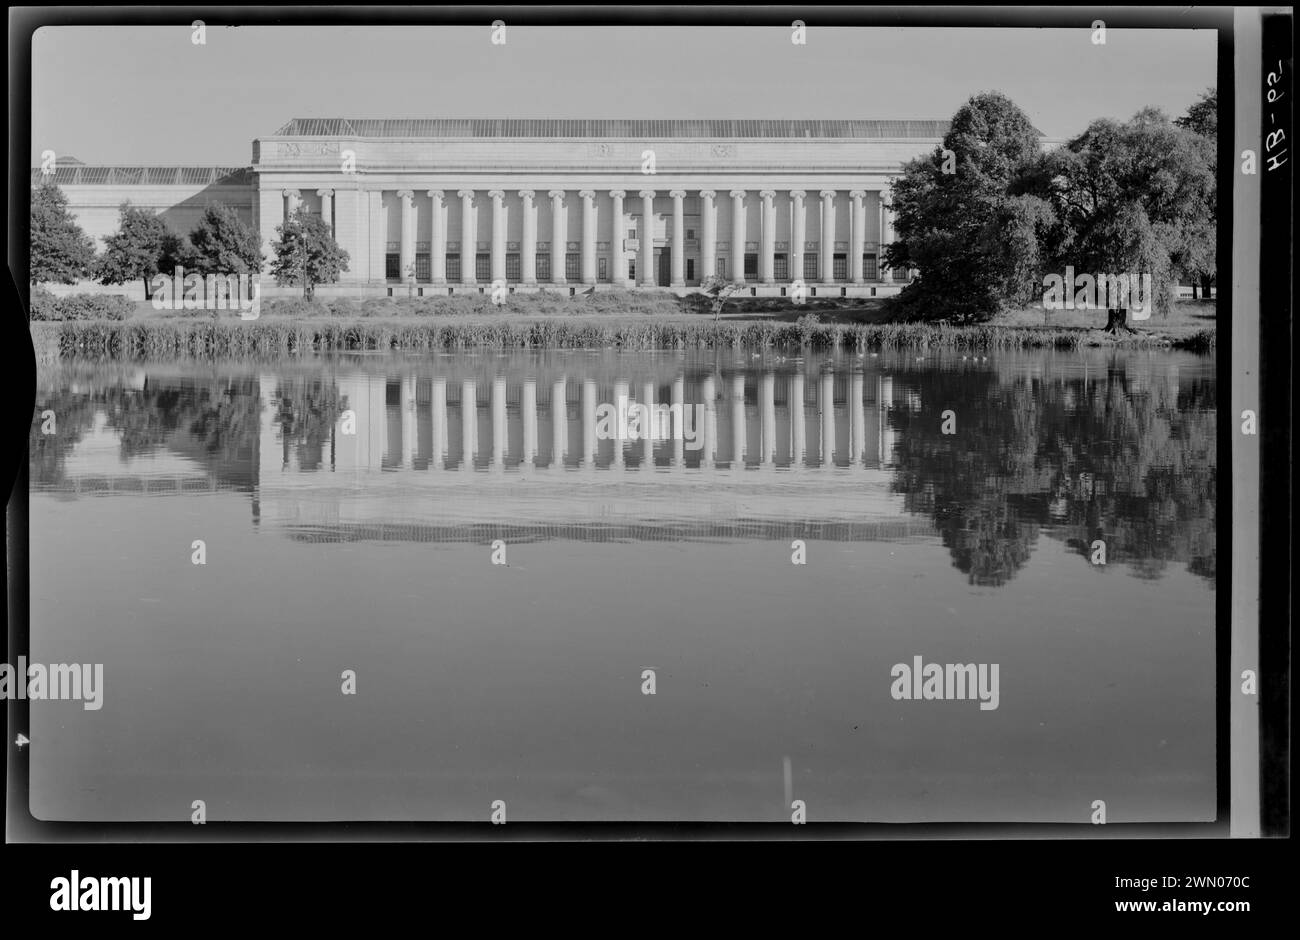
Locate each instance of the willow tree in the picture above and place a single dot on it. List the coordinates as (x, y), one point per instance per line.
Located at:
(1131, 196)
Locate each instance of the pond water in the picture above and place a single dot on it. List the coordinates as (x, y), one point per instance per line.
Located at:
(947, 509)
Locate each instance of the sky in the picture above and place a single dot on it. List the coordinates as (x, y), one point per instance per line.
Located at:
(148, 96)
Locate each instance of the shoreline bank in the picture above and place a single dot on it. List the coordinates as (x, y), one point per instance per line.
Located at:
(285, 336)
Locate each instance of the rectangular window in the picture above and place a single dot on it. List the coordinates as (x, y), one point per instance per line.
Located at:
(720, 265)
(840, 267)
(602, 269)
(810, 272)
(573, 266)
(900, 274)
(543, 263)
(690, 233)
(512, 268)
(751, 265)
(781, 268)
(869, 267)
(393, 267)
(483, 267)
(631, 270)
(423, 268)
(453, 268)
(690, 269)
(631, 233)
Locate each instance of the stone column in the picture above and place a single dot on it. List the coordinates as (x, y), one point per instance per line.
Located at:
(858, 236)
(528, 247)
(798, 433)
(406, 402)
(327, 207)
(498, 270)
(270, 216)
(886, 230)
(557, 236)
(588, 236)
(767, 239)
(826, 409)
(646, 262)
(678, 267)
(797, 234)
(467, 246)
(767, 412)
(738, 236)
(559, 423)
(708, 235)
(292, 198)
(499, 437)
(738, 421)
(528, 409)
(438, 239)
(826, 249)
(438, 407)
(406, 264)
(618, 233)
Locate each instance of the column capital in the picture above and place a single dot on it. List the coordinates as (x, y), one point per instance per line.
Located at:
(465, 193)
(647, 194)
(737, 194)
(324, 192)
(496, 194)
(678, 193)
(707, 194)
(435, 194)
(405, 194)
(587, 194)
(768, 194)
(526, 194)
(556, 194)
(828, 194)
(288, 193)
(797, 194)
(617, 193)
(857, 194)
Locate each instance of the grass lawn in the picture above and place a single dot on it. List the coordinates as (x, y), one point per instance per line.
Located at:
(1185, 319)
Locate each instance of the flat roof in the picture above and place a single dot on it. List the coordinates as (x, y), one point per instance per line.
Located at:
(79, 175)
(792, 129)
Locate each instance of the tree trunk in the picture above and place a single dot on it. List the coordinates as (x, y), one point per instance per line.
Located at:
(1205, 286)
(1117, 321)
(1194, 297)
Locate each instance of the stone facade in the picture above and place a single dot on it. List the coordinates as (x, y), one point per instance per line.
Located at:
(436, 207)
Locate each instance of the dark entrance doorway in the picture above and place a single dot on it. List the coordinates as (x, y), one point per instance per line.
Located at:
(663, 267)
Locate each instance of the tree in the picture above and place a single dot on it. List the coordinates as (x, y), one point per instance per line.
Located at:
(140, 249)
(717, 289)
(1198, 257)
(60, 251)
(1132, 198)
(968, 217)
(223, 244)
(307, 253)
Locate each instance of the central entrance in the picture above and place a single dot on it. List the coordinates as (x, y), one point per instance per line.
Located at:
(663, 267)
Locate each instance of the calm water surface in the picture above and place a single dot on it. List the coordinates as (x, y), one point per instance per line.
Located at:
(372, 551)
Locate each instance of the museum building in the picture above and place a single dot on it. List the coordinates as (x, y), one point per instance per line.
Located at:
(438, 206)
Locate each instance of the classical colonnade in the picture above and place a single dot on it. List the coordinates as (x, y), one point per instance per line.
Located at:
(436, 423)
(628, 211)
